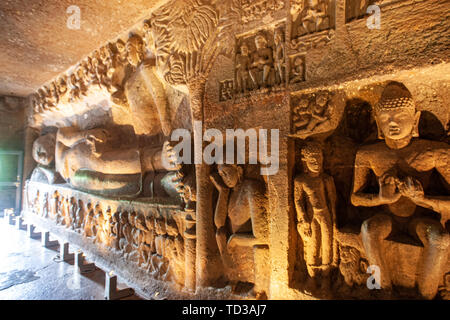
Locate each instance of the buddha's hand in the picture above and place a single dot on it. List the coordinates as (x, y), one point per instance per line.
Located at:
(411, 188)
(388, 189)
(217, 181)
(97, 135)
(304, 229)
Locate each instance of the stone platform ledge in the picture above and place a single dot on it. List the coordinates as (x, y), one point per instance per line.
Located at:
(403, 257)
(134, 277)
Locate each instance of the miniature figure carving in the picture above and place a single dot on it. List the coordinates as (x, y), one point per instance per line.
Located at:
(352, 267)
(315, 203)
(279, 53)
(226, 90)
(262, 63)
(126, 239)
(316, 119)
(242, 69)
(444, 290)
(79, 216)
(402, 165)
(297, 70)
(314, 17)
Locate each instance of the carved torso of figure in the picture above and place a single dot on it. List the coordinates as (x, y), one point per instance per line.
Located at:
(261, 58)
(242, 64)
(417, 160)
(79, 216)
(127, 233)
(241, 202)
(314, 189)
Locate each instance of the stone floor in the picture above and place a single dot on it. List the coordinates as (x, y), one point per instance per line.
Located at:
(29, 271)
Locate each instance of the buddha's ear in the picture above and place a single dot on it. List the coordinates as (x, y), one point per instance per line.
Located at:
(380, 132)
(415, 132)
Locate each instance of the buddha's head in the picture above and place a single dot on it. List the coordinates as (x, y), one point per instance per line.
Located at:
(312, 157)
(231, 174)
(396, 114)
(44, 149)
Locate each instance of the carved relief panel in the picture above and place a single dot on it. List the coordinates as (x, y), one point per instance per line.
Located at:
(313, 23)
(254, 10)
(315, 113)
(260, 60)
(341, 178)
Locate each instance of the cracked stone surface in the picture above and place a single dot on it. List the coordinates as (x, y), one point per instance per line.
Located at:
(31, 272)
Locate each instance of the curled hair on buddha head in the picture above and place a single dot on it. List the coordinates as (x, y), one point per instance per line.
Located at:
(395, 95)
(311, 148)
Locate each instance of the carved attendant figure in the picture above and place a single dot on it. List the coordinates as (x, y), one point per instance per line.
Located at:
(315, 203)
(242, 68)
(279, 56)
(262, 62)
(240, 200)
(403, 166)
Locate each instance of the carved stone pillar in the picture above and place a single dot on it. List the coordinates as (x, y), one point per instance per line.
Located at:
(208, 261)
(190, 250)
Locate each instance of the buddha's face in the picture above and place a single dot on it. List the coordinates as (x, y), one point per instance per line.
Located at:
(230, 174)
(44, 149)
(396, 123)
(313, 162)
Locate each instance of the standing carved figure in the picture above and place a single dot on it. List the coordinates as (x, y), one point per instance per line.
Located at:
(242, 69)
(279, 56)
(79, 215)
(403, 167)
(315, 203)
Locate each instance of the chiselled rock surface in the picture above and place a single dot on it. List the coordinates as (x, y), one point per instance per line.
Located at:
(256, 149)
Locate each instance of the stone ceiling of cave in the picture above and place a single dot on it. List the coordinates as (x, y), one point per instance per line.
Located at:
(36, 45)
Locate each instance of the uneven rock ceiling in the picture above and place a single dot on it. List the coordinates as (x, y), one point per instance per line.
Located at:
(36, 45)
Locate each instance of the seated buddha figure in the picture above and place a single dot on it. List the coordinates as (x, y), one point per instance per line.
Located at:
(403, 165)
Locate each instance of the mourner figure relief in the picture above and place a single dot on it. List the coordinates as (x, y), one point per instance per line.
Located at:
(361, 190)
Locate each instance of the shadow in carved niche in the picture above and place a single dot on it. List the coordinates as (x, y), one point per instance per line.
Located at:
(430, 127)
(357, 127)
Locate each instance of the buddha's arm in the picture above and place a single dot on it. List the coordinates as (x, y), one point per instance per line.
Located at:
(159, 97)
(440, 204)
(360, 179)
(221, 211)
